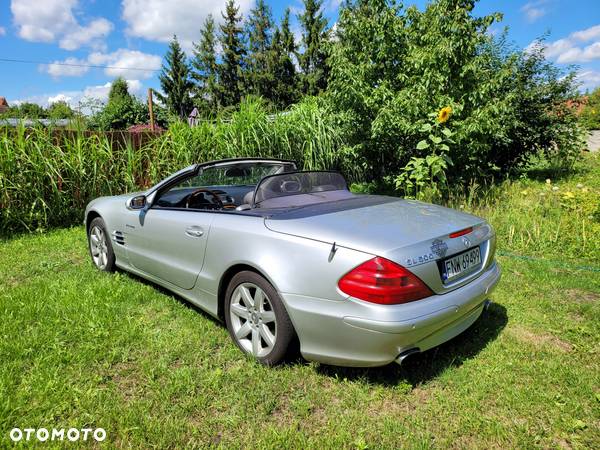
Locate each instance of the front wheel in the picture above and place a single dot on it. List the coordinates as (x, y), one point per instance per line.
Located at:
(101, 249)
(256, 318)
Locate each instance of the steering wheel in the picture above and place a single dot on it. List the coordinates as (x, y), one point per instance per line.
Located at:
(216, 199)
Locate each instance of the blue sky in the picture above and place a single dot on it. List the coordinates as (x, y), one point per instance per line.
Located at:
(133, 34)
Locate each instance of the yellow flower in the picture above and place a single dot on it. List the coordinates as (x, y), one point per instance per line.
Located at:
(568, 195)
(444, 114)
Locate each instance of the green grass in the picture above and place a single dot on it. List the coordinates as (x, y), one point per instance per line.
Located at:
(47, 179)
(556, 218)
(81, 348)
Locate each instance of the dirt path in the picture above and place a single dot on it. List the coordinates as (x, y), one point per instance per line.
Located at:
(593, 141)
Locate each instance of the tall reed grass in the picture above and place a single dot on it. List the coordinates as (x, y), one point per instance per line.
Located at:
(46, 181)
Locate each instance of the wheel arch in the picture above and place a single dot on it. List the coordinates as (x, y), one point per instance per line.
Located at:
(226, 278)
(91, 215)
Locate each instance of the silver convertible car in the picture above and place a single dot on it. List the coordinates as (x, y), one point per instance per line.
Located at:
(282, 255)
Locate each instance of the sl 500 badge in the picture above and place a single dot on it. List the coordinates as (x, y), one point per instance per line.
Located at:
(438, 248)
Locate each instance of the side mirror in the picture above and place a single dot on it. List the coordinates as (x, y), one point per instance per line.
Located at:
(137, 202)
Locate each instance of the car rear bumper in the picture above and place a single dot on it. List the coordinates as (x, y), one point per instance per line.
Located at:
(351, 332)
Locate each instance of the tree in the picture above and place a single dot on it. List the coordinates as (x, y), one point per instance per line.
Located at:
(205, 68)
(175, 81)
(410, 84)
(285, 86)
(28, 110)
(313, 60)
(119, 90)
(231, 67)
(122, 109)
(259, 76)
(60, 110)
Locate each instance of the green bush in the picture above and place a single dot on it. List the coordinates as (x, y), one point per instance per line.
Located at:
(590, 114)
(392, 69)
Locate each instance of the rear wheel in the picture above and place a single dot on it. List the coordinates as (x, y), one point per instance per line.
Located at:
(101, 249)
(256, 318)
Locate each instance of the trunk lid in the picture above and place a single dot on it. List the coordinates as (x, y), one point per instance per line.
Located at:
(374, 227)
(411, 233)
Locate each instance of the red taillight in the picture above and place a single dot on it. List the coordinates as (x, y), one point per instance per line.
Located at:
(382, 281)
(461, 232)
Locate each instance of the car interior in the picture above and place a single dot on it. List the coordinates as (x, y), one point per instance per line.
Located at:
(234, 187)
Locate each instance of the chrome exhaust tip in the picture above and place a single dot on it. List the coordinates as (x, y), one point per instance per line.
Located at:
(406, 353)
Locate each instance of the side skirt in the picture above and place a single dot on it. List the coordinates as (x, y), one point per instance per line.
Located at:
(189, 295)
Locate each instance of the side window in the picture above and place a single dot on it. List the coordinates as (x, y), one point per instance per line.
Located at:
(175, 196)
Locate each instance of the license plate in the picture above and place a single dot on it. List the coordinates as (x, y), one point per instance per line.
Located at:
(461, 264)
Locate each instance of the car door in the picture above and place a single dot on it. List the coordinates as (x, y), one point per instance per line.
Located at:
(168, 238)
(169, 244)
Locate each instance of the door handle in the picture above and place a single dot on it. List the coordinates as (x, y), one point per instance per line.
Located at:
(194, 231)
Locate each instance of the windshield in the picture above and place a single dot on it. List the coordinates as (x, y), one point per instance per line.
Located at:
(309, 185)
(244, 174)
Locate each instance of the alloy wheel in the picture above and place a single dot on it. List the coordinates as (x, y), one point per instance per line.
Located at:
(99, 247)
(253, 319)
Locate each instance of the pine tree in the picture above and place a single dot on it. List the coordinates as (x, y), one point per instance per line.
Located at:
(122, 109)
(287, 36)
(283, 51)
(205, 66)
(175, 81)
(231, 68)
(260, 77)
(313, 61)
(119, 90)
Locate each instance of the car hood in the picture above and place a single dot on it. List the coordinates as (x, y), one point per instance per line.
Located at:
(374, 224)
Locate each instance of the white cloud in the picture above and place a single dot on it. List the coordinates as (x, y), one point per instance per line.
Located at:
(592, 51)
(74, 97)
(2, 31)
(53, 20)
(159, 20)
(92, 34)
(589, 79)
(554, 49)
(72, 68)
(587, 34)
(59, 98)
(572, 49)
(578, 55)
(121, 62)
(570, 55)
(535, 10)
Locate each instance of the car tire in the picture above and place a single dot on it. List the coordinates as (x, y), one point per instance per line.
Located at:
(100, 246)
(258, 323)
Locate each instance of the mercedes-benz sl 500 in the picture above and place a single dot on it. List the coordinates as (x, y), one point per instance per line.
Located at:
(281, 255)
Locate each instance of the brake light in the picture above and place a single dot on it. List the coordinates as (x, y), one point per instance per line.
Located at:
(461, 232)
(385, 282)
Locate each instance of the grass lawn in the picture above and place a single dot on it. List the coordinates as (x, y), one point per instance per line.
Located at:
(80, 348)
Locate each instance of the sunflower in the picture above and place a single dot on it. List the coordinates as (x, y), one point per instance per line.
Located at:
(444, 114)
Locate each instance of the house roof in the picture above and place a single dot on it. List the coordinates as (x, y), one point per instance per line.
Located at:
(3, 101)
